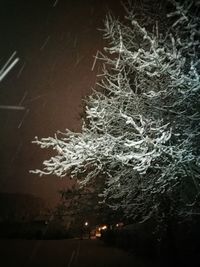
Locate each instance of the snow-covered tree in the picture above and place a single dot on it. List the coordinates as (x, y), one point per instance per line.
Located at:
(140, 133)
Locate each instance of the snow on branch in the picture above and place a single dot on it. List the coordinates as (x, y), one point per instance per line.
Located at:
(141, 126)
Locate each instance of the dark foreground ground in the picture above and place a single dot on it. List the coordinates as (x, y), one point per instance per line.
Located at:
(65, 253)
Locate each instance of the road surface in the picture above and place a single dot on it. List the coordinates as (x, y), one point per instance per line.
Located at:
(64, 253)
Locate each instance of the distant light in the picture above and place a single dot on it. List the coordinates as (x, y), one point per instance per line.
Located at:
(86, 223)
(98, 234)
(120, 224)
(104, 227)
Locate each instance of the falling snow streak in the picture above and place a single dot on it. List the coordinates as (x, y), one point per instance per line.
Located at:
(75, 41)
(23, 118)
(8, 66)
(21, 70)
(78, 59)
(55, 3)
(16, 152)
(12, 107)
(23, 98)
(8, 62)
(71, 258)
(35, 98)
(44, 104)
(45, 43)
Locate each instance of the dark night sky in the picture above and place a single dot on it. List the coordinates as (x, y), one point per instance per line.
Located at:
(56, 42)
